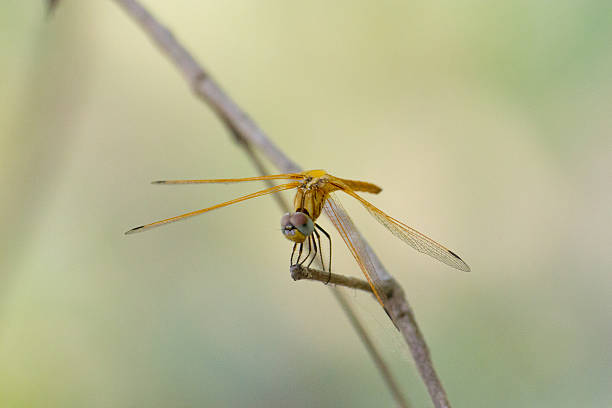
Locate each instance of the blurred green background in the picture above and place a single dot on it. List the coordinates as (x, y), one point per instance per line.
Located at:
(488, 126)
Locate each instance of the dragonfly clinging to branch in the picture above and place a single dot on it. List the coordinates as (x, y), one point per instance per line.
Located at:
(315, 190)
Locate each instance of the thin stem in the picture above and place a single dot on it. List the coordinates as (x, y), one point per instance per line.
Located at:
(299, 272)
(230, 113)
(363, 335)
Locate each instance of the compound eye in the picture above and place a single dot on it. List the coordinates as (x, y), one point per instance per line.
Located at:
(298, 219)
(286, 220)
(302, 222)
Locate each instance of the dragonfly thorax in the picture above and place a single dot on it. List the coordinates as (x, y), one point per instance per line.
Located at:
(296, 226)
(310, 197)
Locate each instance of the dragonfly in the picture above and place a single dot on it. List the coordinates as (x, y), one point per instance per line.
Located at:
(315, 192)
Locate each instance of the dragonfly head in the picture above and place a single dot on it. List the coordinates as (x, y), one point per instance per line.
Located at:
(297, 226)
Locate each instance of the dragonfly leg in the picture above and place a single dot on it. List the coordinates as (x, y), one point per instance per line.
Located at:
(297, 262)
(308, 253)
(292, 253)
(330, 251)
(320, 247)
(314, 245)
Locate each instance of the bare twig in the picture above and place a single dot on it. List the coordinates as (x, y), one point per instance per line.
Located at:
(299, 272)
(206, 88)
(382, 366)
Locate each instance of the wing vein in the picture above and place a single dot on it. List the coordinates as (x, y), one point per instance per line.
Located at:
(289, 176)
(346, 229)
(260, 193)
(412, 237)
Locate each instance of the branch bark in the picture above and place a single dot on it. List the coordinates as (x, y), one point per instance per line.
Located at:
(300, 272)
(242, 126)
(361, 332)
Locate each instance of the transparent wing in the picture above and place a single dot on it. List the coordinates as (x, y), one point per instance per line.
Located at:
(355, 244)
(271, 190)
(289, 176)
(412, 237)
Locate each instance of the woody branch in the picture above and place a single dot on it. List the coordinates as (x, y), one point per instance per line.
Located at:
(243, 127)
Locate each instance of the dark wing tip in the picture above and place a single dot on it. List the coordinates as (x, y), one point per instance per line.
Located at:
(159, 182)
(455, 255)
(134, 230)
(464, 267)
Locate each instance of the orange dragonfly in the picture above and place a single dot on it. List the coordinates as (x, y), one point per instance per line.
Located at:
(314, 193)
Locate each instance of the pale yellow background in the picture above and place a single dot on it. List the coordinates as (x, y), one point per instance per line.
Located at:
(487, 124)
